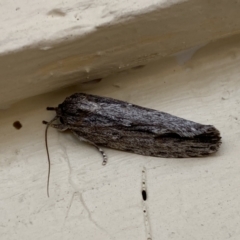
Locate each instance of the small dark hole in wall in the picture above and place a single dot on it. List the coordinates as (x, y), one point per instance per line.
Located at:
(144, 195)
(17, 125)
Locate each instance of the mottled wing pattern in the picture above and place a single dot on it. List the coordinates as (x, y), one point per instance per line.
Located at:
(128, 127)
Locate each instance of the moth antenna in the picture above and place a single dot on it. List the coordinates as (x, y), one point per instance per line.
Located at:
(48, 156)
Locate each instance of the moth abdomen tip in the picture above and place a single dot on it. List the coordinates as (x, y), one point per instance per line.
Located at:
(44, 122)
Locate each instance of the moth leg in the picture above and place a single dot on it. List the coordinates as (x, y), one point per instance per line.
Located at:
(60, 127)
(96, 146)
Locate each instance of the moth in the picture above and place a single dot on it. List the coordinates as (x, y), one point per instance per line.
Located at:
(107, 122)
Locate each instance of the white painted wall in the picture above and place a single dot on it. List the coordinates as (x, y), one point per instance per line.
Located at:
(43, 23)
(187, 198)
(46, 45)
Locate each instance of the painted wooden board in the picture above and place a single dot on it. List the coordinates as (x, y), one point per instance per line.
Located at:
(47, 46)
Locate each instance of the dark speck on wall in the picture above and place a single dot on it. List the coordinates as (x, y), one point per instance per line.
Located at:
(17, 125)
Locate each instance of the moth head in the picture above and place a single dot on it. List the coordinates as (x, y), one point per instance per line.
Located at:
(59, 113)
